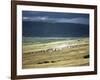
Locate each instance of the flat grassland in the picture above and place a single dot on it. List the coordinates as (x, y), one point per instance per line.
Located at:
(63, 53)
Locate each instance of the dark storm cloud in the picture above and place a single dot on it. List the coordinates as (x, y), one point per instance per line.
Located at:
(55, 17)
(54, 24)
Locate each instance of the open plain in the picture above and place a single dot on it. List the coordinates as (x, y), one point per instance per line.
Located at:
(56, 53)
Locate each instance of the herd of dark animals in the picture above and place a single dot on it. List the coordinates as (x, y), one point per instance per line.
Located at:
(57, 49)
(44, 62)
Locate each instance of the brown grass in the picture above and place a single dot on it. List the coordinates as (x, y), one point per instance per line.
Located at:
(61, 58)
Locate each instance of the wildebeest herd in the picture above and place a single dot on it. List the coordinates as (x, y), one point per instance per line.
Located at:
(59, 48)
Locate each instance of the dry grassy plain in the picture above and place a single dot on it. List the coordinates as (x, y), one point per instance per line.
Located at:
(56, 54)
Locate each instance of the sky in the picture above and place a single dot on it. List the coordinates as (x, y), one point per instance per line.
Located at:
(54, 24)
(55, 17)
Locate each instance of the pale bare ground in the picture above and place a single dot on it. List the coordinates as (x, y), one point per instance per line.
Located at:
(73, 53)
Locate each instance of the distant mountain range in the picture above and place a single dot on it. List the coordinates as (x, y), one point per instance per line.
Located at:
(47, 29)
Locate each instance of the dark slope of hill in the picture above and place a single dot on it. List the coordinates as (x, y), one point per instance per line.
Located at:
(46, 29)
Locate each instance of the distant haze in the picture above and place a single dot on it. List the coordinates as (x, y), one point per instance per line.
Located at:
(54, 24)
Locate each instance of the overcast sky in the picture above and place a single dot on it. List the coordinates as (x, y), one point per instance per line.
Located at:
(55, 24)
(55, 17)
